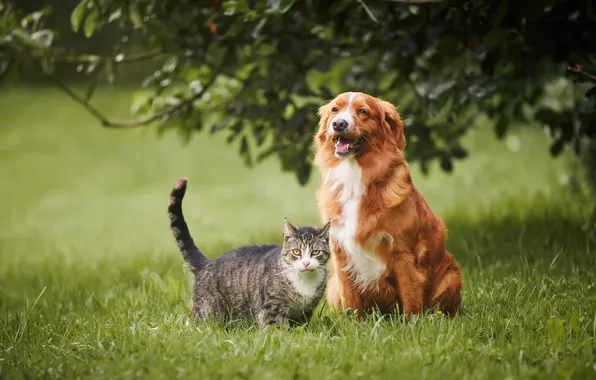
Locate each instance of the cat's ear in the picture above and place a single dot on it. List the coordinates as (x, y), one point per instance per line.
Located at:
(325, 230)
(289, 230)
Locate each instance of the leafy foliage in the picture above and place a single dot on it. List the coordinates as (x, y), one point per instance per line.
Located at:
(258, 70)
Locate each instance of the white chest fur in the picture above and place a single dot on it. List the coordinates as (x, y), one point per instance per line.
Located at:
(306, 284)
(364, 265)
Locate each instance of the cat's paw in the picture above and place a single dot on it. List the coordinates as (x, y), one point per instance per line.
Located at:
(282, 324)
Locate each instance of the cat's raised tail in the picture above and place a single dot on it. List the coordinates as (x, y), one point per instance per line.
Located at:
(192, 256)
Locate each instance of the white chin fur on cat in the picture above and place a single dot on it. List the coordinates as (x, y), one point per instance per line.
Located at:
(306, 283)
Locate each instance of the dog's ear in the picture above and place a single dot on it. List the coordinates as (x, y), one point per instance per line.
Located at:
(323, 114)
(390, 116)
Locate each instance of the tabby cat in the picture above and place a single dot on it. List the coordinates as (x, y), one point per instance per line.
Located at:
(272, 284)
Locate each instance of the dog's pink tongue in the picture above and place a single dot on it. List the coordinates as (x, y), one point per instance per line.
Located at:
(343, 145)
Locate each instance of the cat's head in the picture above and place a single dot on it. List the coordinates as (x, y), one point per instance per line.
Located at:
(306, 249)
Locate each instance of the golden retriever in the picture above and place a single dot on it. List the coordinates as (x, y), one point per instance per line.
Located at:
(388, 247)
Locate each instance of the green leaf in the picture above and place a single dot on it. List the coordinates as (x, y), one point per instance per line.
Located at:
(500, 14)
(44, 12)
(141, 102)
(35, 17)
(135, 16)
(557, 147)
(23, 36)
(424, 167)
(446, 163)
(279, 6)
(235, 6)
(235, 130)
(91, 23)
(555, 329)
(245, 151)
(265, 154)
(459, 152)
(235, 27)
(115, 15)
(77, 15)
(285, 5)
(573, 326)
(221, 124)
(256, 32)
(547, 116)
(191, 74)
(501, 127)
(303, 173)
(43, 37)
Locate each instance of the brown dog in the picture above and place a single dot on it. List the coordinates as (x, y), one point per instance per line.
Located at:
(388, 248)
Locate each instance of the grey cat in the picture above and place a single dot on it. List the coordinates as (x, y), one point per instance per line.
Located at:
(276, 285)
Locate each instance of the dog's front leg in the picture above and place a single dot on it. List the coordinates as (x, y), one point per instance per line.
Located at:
(411, 283)
(447, 288)
(342, 292)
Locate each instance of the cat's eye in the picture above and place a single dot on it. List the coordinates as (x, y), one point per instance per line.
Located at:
(314, 253)
(296, 252)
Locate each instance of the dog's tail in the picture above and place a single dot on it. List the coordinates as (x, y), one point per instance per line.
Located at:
(192, 256)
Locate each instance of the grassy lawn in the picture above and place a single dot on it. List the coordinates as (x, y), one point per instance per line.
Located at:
(92, 285)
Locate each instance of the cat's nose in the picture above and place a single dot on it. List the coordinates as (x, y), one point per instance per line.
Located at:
(306, 263)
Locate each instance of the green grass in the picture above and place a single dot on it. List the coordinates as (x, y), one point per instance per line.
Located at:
(92, 286)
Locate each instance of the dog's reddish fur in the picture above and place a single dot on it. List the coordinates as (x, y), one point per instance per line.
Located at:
(394, 220)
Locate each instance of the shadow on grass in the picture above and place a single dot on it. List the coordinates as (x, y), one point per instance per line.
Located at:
(556, 240)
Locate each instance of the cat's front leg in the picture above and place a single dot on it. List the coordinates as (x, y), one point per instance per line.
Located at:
(274, 314)
(304, 318)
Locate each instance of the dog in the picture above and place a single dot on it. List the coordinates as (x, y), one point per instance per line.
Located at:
(388, 247)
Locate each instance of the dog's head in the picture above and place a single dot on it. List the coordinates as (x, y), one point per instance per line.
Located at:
(355, 124)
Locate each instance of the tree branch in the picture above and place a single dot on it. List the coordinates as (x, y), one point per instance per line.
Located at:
(73, 95)
(580, 69)
(144, 121)
(99, 59)
(368, 11)
(94, 58)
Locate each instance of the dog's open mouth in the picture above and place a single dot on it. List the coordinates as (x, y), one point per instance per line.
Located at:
(345, 146)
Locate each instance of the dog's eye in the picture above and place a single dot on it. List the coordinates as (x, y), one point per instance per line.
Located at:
(296, 252)
(334, 109)
(314, 253)
(363, 112)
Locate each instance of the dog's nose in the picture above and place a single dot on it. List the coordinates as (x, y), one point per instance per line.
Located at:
(339, 125)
